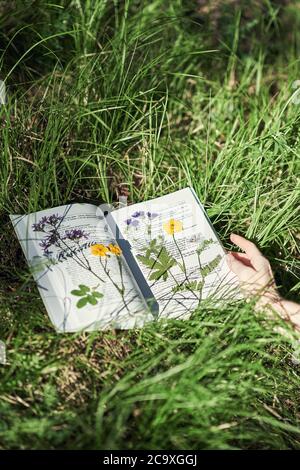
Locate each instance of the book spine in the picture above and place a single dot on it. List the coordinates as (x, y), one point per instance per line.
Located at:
(136, 272)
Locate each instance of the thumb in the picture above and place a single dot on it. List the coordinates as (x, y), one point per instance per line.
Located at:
(235, 265)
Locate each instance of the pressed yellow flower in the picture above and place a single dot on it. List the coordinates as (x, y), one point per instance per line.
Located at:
(99, 250)
(115, 249)
(173, 226)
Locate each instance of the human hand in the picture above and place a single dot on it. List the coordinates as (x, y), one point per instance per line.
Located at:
(253, 270)
(256, 279)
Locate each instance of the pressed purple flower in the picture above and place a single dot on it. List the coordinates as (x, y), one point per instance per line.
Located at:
(44, 220)
(54, 219)
(40, 225)
(128, 221)
(37, 227)
(51, 239)
(138, 214)
(74, 234)
(45, 245)
(135, 223)
(48, 253)
(151, 215)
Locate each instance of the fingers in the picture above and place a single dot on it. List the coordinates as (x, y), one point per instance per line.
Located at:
(258, 261)
(251, 281)
(243, 257)
(235, 264)
(245, 245)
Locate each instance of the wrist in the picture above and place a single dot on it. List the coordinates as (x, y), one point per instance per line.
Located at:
(269, 299)
(288, 311)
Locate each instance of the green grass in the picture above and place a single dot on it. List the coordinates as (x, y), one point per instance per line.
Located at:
(147, 98)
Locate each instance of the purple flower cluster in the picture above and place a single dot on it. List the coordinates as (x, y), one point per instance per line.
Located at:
(138, 214)
(134, 222)
(74, 234)
(52, 239)
(49, 225)
(52, 220)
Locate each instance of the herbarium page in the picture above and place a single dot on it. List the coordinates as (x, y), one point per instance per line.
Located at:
(79, 269)
(178, 252)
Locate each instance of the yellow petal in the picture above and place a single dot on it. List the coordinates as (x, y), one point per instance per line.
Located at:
(173, 226)
(115, 249)
(99, 250)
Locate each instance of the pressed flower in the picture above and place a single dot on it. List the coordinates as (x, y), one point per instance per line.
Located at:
(99, 250)
(52, 221)
(75, 234)
(151, 215)
(135, 223)
(51, 239)
(115, 249)
(173, 226)
(138, 214)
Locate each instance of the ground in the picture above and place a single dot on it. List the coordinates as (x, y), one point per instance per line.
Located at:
(142, 98)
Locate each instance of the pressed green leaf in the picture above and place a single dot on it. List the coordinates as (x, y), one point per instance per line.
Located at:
(79, 293)
(91, 299)
(149, 262)
(204, 245)
(191, 286)
(158, 260)
(82, 302)
(84, 288)
(98, 295)
(209, 267)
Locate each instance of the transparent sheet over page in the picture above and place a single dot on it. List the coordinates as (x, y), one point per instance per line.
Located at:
(178, 252)
(84, 284)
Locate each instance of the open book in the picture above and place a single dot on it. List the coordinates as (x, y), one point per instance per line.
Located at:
(97, 269)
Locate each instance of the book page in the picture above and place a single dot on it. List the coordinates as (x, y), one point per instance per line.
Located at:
(178, 252)
(79, 269)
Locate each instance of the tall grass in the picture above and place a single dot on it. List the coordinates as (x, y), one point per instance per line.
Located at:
(142, 98)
